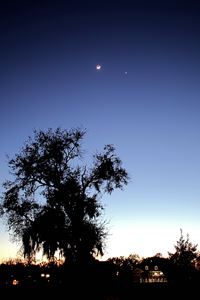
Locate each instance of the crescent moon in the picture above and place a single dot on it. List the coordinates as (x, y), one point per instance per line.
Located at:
(98, 67)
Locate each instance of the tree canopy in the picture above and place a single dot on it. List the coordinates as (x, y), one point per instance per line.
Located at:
(183, 260)
(53, 202)
(185, 252)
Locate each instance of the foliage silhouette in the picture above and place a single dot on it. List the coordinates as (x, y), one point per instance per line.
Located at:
(53, 202)
(125, 267)
(183, 260)
(111, 279)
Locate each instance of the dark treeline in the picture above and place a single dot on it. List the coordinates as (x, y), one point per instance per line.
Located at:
(117, 277)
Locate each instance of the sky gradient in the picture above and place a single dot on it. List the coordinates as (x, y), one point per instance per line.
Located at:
(145, 101)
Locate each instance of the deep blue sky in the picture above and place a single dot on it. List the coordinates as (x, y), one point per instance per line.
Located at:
(48, 54)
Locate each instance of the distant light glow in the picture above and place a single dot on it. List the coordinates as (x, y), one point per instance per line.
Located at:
(15, 282)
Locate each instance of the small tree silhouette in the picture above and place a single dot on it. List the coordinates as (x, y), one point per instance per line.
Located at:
(183, 259)
(53, 203)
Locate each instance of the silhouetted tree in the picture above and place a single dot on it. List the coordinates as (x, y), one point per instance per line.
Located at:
(125, 267)
(53, 203)
(128, 263)
(183, 259)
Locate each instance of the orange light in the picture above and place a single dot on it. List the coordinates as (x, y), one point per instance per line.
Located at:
(15, 282)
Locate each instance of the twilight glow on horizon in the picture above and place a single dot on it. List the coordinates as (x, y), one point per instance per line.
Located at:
(128, 72)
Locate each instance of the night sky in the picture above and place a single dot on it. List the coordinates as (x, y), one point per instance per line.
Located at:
(145, 100)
